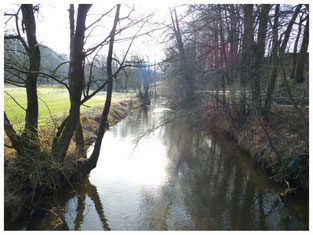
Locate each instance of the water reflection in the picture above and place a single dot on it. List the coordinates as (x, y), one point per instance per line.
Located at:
(227, 190)
(177, 179)
(91, 191)
(73, 210)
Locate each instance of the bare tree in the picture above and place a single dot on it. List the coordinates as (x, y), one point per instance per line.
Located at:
(27, 143)
(258, 57)
(76, 82)
(246, 57)
(92, 161)
(303, 52)
(185, 63)
(278, 49)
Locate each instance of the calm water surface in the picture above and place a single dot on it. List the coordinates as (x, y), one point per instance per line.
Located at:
(176, 179)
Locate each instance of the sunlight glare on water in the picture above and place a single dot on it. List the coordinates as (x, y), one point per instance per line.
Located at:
(143, 165)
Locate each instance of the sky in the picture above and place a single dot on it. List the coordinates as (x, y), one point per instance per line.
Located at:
(52, 23)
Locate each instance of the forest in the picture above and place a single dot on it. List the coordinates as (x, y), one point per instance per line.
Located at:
(236, 72)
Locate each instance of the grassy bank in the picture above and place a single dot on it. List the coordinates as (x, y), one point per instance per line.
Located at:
(53, 103)
(270, 140)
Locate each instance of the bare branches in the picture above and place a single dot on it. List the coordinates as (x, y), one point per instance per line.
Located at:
(9, 69)
(11, 133)
(130, 24)
(124, 58)
(18, 36)
(93, 93)
(15, 101)
(100, 18)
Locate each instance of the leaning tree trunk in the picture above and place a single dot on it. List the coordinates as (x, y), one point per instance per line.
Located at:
(303, 54)
(295, 50)
(91, 163)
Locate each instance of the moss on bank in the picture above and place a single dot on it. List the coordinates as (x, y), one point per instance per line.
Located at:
(289, 160)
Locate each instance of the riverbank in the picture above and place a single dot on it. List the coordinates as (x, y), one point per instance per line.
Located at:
(16, 195)
(273, 141)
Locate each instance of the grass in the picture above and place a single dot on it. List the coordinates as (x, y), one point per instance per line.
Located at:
(53, 103)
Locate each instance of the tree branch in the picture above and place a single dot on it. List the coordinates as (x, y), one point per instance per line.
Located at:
(15, 101)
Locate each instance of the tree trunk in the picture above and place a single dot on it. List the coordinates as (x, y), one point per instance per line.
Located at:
(92, 161)
(185, 64)
(79, 133)
(295, 50)
(223, 53)
(259, 56)
(247, 44)
(13, 136)
(303, 54)
(76, 81)
(233, 40)
(30, 133)
(79, 139)
(28, 143)
(275, 59)
(274, 62)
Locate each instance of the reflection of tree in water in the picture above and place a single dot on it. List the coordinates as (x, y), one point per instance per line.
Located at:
(55, 218)
(221, 187)
(91, 191)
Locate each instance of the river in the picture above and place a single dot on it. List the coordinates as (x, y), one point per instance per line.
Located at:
(176, 178)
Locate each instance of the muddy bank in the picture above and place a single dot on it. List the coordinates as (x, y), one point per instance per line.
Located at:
(272, 140)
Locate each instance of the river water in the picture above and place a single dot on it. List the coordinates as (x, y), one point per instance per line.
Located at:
(177, 178)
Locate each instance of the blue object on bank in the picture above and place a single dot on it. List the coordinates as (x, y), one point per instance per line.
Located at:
(294, 162)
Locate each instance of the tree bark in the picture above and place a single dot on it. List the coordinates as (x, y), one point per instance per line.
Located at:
(13, 136)
(274, 61)
(233, 40)
(223, 53)
(79, 139)
(275, 58)
(259, 56)
(295, 50)
(247, 44)
(185, 64)
(30, 133)
(303, 53)
(79, 133)
(28, 143)
(76, 81)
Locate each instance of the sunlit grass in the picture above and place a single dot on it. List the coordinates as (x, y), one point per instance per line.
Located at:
(53, 103)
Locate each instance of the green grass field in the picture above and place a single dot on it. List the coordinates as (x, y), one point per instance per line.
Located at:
(50, 98)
